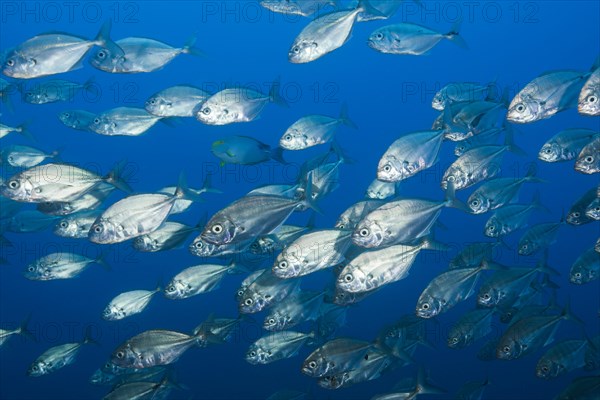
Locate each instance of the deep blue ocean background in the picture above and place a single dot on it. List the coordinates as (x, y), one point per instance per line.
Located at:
(245, 44)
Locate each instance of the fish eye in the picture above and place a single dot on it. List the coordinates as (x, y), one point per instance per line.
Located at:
(545, 368)
(199, 245)
(13, 184)
(454, 340)
(35, 368)
(341, 226)
(506, 349)
(451, 178)
(486, 296)
(312, 364)
(10, 63)
(349, 277)
(296, 49)
(387, 167)
(283, 264)
(592, 99)
(252, 353)
(475, 203)
(548, 150)
(240, 292)
(589, 159)
(217, 229)
(248, 302)
(425, 306)
(492, 228)
(206, 110)
(64, 224)
(98, 229)
(101, 54)
(96, 120)
(271, 321)
(578, 275)
(171, 289)
(520, 108)
(287, 137)
(153, 102)
(364, 232)
(31, 269)
(66, 115)
(379, 36)
(120, 354)
(575, 214)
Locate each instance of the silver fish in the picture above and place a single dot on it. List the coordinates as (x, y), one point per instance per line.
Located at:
(176, 101)
(369, 369)
(24, 156)
(588, 160)
(128, 304)
(293, 310)
(277, 240)
(304, 8)
(538, 237)
(6, 334)
(586, 268)
(60, 266)
(577, 214)
(277, 346)
(566, 145)
(238, 104)
(473, 254)
(26, 221)
(123, 121)
(584, 387)
(472, 390)
(91, 200)
(170, 235)
(202, 248)
(142, 388)
(196, 280)
(355, 213)
(312, 252)
(217, 330)
(471, 327)
(487, 137)
(77, 119)
(381, 190)
(412, 153)
(457, 92)
(265, 291)
(77, 225)
(183, 204)
(138, 54)
(313, 130)
(546, 95)
(56, 358)
(412, 39)
(21, 129)
(562, 358)
(510, 218)
(53, 53)
(335, 356)
(589, 97)
(53, 91)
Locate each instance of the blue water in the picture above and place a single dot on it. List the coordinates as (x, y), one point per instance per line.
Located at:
(387, 95)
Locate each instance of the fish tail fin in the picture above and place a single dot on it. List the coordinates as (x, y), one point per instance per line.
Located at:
(543, 266)
(530, 176)
(344, 118)
(23, 130)
(277, 155)
(310, 224)
(237, 268)
(453, 201)
(23, 329)
(101, 260)
(7, 102)
(103, 39)
(596, 64)
(207, 186)
(424, 387)
(190, 47)
(429, 243)
(367, 7)
(116, 179)
(183, 191)
(275, 95)
(308, 200)
(536, 202)
(89, 84)
(512, 147)
(566, 313)
(454, 36)
(87, 337)
(340, 153)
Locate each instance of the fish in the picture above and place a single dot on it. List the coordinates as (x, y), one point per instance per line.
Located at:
(284, 190)
(412, 388)
(355, 213)
(510, 218)
(326, 33)
(547, 95)
(143, 389)
(197, 279)
(381, 190)
(247, 282)
(237, 104)
(170, 235)
(89, 201)
(136, 215)
(577, 214)
(592, 354)
(24, 156)
(217, 330)
(151, 348)
(304, 8)
(448, 289)
(325, 176)
(22, 330)
(277, 346)
(401, 221)
(365, 370)
(58, 182)
(409, 155)
(57, 357)
(6, 89)
(22, 129)
(27, 221)
(586, 268)
(473, 254)
(478, 164)
(488, 351)
(77, 119)
(60, 266)
(245, 150)
(312, 252)
(112, 375)
(246, 218)
(288, 394)
(337, 355)
(176, 101)
(472, 390)
(294, 310)
(498, 192)
(123, 121)
(77, 226)
(597, 246)
(128, 303)
(411, 39)
(566, 145)
(562, 358)
(583, 387)
(588, 160)
(53, 91)
(265, 291)
(589, 97)
(458, 92)
(183, 204)
(471, 327)
(313, 130)
(373, 269)
(276, 241)
(538, 237)
(201, 248)
(486, 137)
(54, 53)
(139, 54)
(529, 334)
